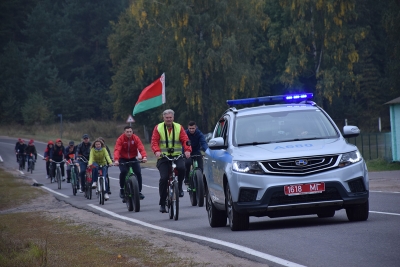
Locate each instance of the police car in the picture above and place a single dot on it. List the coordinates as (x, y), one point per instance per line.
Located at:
(281, 160)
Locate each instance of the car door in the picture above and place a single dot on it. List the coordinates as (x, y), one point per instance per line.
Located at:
(217, 161)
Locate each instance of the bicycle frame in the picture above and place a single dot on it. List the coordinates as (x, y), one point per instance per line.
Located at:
(172, 200)
(58, 172)
(101, 185)
(21, 161)
(74, 176)
(31, 163)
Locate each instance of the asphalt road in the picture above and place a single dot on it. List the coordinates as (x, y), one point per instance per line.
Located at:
(291, 241)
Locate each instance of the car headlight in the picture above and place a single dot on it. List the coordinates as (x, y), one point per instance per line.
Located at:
(350, 158)
(247, 167)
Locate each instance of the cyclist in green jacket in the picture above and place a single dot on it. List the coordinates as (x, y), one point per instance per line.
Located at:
(99, 156)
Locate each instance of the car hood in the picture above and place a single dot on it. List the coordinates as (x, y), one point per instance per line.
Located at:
(292, 149)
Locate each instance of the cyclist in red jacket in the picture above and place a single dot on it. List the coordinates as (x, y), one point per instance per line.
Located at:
(126, 149)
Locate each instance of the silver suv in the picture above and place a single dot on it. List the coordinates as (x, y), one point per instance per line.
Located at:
(282, 160)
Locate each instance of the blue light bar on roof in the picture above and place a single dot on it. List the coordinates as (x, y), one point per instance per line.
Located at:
(269, 99)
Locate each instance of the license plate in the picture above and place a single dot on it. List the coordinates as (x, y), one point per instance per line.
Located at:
(302, 189)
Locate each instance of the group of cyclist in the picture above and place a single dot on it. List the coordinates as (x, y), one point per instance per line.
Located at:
(168, 138)
(171, 139)
(25, 152)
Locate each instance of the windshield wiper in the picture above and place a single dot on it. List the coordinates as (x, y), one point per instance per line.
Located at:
(254, 143)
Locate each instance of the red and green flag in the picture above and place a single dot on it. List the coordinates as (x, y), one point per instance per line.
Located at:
(152, 96)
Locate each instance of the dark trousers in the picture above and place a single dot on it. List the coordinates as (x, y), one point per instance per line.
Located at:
(164, 166)
(124, 171)
(48, 168)
(189, 162)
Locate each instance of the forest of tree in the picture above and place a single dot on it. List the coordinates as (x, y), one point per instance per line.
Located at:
(91, 59)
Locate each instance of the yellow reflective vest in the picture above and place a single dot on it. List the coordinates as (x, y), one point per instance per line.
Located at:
(170, 140)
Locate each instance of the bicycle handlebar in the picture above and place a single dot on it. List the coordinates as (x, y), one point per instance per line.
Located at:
(82, 158)
(173, 158)
(57, 162)
(132, 161)
(100, 166)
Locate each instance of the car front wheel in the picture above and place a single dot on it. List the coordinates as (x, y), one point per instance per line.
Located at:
(237, 221)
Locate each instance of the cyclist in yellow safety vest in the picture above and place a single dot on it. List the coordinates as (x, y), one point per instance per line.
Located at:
(169, 138)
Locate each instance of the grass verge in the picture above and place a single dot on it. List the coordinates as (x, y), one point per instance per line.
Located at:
(33, 238)
(377, 165)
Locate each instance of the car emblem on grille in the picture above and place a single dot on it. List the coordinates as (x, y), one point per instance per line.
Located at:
(301, 162)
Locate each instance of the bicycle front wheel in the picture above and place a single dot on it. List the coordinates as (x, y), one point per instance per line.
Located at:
(100, 188)
(58, 177)
(30, 166)
(88, 185)
(175, 201)
(135, 192)
(73, 181)
(198, 178)
(21, 164)
(192, 189)
(128, 194)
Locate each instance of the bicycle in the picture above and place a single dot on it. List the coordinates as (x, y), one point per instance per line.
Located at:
(74, 177)
(172, 201)
(101, 189)
(131, 188)
(58, 173)
(88, 180)
(196, 185)
(31, 163)
(21, 161)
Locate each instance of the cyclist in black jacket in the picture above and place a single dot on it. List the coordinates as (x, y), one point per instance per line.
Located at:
(58, 156)
(20, 150)
(83, 151)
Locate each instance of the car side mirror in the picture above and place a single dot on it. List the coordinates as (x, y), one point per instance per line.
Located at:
(350, 131)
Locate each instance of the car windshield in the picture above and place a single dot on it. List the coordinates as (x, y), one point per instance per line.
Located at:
(285, 126)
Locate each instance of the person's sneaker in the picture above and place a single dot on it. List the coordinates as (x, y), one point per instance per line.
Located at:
(47, 177)
(109, 192)
(106, 196)
(94, 185)
(121, 193)
(80, 190)
(162, 209)
(63, 179)
(68, 181)
(186, 181)
(53, 180)
(123, 200)
(181, 194)
(141, 196)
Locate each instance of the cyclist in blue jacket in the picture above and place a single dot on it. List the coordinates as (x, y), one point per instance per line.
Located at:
(198, 142)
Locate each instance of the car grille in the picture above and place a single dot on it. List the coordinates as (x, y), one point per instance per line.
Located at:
(279, 198)
(301, 166)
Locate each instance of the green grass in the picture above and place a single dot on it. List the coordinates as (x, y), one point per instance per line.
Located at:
(376, 165)
(35, 238)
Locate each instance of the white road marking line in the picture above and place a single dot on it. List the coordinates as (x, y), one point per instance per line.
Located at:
(211, 240)
(117, 179)
(386, 213)
(55, 192)
(384, 192)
